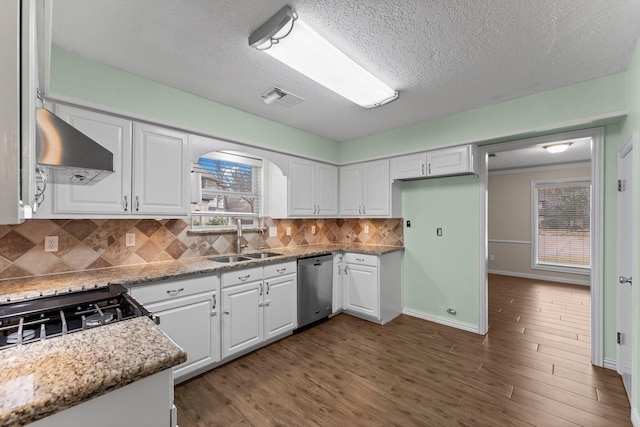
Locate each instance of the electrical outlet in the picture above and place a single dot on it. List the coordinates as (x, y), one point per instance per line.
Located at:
(288, 231)
(313, 229)
(273, 231)
(51, 244)
(366, 229)
(130, 239)
(492, 258)
(439, 232)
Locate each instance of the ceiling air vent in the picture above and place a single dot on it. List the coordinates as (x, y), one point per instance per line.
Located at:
(280, 96)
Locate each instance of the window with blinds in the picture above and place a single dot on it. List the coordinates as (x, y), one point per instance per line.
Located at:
(562, 226)
(228, 187)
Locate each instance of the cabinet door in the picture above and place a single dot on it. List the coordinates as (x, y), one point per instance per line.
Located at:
(301, 187)
(351, 190)
(112, 195)
(450, 161)
(411, 166)
(193, 323)
(160, 171)
(241, 317)
(338, 290)
(376, 188)
(361, 295)
(326, 189)
(280, 309)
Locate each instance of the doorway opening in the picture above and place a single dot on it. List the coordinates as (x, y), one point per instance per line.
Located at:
(541, 222)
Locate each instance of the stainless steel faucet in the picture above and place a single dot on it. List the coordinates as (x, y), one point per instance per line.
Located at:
(238, 236)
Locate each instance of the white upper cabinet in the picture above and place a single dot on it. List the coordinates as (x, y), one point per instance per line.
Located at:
(313, 188)
(451, 161)
(161, 163)
(150, 163)
(408, 167)
(110, 195)
(366, 190)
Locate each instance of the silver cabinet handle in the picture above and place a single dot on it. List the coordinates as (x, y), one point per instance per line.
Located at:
(137, 203)
(364, 212)
(339, 269)
(267, 303)
(429, 173)
(346, 270)
(174, 292)
(126, 203)
(623, 279)
(226, 312)
(243, 278)
(261, 289)
(213, 306)
(360, 259)
(423, 169)
(260, 304)
(360, 209)
(281, 270)
(267, 288)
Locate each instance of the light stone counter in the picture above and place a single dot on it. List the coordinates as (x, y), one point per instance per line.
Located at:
(35, 287)
(45, 377)
(42, 378)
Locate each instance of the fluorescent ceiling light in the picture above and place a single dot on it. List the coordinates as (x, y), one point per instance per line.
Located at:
(292, 42)
(557, 148)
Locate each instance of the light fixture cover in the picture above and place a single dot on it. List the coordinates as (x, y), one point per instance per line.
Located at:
(557, 148)
(297, 45)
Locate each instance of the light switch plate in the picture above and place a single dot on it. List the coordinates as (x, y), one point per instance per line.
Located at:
(366, 229)
(130, 239)
(273, 231)
(288, 231)
(313, 229)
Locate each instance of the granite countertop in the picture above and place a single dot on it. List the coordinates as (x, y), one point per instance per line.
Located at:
(35, 287)
(46, 377)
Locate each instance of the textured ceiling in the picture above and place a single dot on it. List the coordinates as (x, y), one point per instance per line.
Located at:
(443, 56)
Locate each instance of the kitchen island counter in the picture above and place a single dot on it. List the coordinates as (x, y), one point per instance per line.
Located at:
(46, 377)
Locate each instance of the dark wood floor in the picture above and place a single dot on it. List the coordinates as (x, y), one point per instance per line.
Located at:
(532, 368)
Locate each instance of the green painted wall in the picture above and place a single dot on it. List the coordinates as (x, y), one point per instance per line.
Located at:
(442, 203)
(552, 111)
(632, 124)
(544, 110)
(90, 82)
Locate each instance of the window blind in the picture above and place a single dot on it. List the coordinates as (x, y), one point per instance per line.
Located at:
(563, 224)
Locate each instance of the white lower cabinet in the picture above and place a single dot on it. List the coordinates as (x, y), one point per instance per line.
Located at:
(373, 286)
(257, 305)
(188, 311)
(338, 287)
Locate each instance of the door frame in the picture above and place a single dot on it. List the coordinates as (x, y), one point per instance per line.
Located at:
(631, 145)
(597, 218)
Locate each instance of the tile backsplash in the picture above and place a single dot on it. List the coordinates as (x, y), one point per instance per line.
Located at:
(93, 243)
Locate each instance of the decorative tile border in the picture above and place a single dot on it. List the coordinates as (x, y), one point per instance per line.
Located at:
(88, 244)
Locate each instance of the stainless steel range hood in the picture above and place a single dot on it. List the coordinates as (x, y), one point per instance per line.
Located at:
(67, 155)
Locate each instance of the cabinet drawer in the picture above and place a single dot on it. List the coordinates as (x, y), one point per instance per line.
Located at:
(236, 277)
(362, 259)
(170, 289)
(280, 269)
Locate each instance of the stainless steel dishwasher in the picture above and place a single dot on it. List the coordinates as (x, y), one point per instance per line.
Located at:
(315, 288)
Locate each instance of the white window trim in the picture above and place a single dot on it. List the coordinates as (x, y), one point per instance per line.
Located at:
(256, 186)
(586, 271)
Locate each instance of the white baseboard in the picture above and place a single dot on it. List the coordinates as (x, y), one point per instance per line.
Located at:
(470, 327)
(541, 277)
(610, 364)
(635, 417)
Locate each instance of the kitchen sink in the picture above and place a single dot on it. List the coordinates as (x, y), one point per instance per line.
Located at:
(261, 255)
(230, 258)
